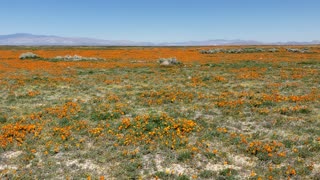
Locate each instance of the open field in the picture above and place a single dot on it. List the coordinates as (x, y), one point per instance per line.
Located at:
(215, 116)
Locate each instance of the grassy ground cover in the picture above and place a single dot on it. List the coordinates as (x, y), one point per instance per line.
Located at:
(215, 116)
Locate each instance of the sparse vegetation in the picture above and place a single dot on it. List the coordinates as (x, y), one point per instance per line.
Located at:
(74, 58)
(242, 115)
(28, 55)
(238, 51)
(168, 61)
(304, 50)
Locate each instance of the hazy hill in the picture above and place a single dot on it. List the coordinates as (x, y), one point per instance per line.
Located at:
(36, 40)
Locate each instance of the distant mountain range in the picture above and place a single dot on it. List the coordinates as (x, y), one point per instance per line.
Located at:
(23, 39)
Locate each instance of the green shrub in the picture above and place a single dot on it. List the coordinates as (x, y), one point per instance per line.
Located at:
(207, 174)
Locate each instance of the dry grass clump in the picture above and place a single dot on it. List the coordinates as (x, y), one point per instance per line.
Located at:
(28, 55)
(303, 50)
(169, 61)
(238, 51)
(74, 58)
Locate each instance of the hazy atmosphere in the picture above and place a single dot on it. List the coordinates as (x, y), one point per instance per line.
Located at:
(165, 20)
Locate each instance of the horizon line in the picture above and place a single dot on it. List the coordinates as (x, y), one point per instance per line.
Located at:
(157, 43)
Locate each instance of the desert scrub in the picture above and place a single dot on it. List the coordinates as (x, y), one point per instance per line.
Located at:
(238, 51)
(303, 50)
(212, 51)
(74, 58)
(169, 61)
(28, 55)
(273, 50)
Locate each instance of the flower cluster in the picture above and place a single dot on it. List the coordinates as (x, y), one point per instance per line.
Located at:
(149, 129)
(65, 111)
(17, 132)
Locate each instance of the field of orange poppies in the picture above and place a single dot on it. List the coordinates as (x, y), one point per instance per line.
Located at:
(124, 116)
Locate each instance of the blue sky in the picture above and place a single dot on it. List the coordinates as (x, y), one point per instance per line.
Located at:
(165, 20)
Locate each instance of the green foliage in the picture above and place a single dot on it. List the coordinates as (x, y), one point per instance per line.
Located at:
(228, 173)
(206, 174)
(184, 156)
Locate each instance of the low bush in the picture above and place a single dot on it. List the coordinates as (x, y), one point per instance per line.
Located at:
(237, 51)
(168, 61)
(74, 58)
(304, 50)
(28, 55)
